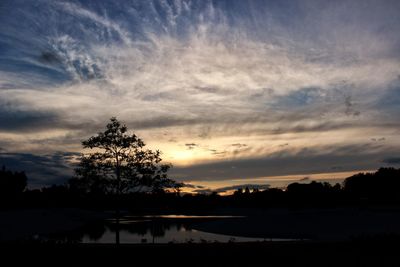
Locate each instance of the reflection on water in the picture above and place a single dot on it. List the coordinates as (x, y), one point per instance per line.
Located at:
(157, 232)
(154, 229)
(174, 216)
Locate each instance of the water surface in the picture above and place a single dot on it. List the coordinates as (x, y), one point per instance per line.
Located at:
(161, 229)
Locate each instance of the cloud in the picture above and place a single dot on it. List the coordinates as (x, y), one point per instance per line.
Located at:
(392, 160)
(239, 145)
(305, 179)
(381, 139)
(350, 107)
(188, 185)
(191, 146)
(49, 58)
(26, 120)
(218, 153)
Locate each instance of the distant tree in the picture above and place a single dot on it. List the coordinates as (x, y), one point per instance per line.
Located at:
(247, 190)
(337, 187)
(383, 184)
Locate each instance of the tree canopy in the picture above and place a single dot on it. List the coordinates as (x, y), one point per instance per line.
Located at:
(119, 163)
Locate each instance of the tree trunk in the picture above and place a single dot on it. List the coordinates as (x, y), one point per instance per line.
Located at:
(118, 213)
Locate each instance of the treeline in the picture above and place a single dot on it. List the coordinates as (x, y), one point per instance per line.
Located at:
(12, 185)
(379, 188)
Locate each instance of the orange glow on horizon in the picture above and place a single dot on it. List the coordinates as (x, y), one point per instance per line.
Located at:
(274, 181)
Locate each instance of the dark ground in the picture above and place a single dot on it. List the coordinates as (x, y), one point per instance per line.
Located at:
(380, 252)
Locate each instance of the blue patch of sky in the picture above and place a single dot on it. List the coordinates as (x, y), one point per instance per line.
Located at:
(390, 101)
(299, 98)
(29, 25)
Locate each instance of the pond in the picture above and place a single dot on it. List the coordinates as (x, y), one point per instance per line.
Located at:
(157, 229)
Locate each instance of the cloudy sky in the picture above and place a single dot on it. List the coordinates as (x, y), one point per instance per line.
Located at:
(232, 92)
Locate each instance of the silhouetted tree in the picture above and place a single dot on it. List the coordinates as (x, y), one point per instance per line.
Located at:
(120, 164)
(247, 190)
(238, 192)
(383, 184)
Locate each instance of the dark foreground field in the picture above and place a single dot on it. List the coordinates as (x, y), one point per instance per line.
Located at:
(378, 252)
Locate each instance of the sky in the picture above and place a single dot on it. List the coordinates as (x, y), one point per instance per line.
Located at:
(232, 92)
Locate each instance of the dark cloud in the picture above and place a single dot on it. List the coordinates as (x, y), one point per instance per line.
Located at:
(218, 153)
(191, 146)
(350, 111)
(27, 121)
(306, 161)
(321, 126)
(225, 124)
(378, 139)
(204, 135)
(41, 170)
(239, 145)
(305, 179)
(240, 150)
(205, 191)
(163, 121)
(193, 186)
(17, 118)
(393, 160)
(49, 57)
